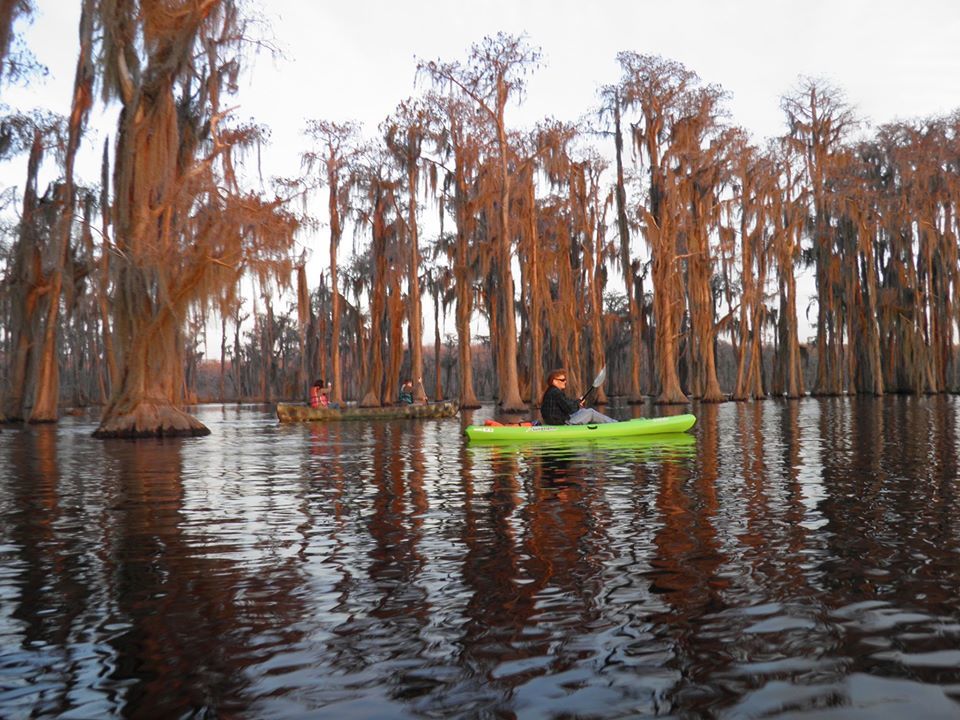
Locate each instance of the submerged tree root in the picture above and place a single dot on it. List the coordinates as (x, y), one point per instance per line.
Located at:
(150, 420)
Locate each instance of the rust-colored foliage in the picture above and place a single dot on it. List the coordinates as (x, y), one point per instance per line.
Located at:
(494, 72)
(727, 228)
(658, 89)
(404, 134)
(379, 192)
(819, 120)
(614, 105)
(454, 138)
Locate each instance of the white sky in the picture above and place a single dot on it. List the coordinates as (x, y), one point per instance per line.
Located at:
(357, 60)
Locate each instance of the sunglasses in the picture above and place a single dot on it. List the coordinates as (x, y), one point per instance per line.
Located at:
(563, 379)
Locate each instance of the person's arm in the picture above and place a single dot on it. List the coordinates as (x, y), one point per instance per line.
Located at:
(570, 405)
(551, 408)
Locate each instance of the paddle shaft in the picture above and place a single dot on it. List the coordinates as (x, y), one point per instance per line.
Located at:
(597, 382)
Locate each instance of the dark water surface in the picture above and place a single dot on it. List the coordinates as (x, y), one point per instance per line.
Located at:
(790, 559)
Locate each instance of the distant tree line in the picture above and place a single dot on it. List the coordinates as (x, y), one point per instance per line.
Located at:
(644, 236)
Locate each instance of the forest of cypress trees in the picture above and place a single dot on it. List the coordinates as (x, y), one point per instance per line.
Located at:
(650, 235)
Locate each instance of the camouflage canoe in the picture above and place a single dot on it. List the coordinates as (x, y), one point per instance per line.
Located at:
(296, 412)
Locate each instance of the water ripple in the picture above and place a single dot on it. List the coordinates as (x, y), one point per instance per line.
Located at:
(786, 559)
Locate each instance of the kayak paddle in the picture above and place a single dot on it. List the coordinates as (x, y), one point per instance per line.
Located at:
(597, 382)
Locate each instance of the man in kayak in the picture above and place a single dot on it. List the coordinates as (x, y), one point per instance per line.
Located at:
(558, 409)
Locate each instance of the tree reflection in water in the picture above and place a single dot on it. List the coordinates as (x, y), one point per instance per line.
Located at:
(784, 556)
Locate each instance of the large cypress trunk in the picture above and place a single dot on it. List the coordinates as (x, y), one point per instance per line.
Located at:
(151, 384)
(507, 375)
(701, 311)
(147, 328)
(626, 266)
(184, 230)
(26, 306)
(374, 375)
(336, 373)
(415, 316)
(464, 279)
(47, 394)
(667, 303)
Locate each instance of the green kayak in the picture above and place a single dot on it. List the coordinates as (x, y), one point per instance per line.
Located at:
(638, 447)
(625, 428)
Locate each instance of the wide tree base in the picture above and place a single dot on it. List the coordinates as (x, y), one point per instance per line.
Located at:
(150, 420)
(665, 399)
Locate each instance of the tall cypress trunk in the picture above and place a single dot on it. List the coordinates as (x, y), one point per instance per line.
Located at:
(25, 304)
(304, 316)
(223, 356)
(103, 281)
(373, 379)
(415, 314)
(597, 354)
(47, 391)
(437, 347)
(623, 227)
(184, 230)
(464, 279)
(667, 304)
(335, 232)
(536, 301)
(786, 215)
(270, 361)
(146, 400)
(701, 305)
(394, 313)
(866, 375)
(508, 378)
(238, 384)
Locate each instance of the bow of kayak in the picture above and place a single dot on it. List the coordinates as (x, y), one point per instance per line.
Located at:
(626, 428)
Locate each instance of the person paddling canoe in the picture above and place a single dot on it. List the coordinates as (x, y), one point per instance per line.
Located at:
(319, 394)
(558, 409)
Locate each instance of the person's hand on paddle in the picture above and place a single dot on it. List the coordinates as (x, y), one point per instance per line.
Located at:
(597, 381)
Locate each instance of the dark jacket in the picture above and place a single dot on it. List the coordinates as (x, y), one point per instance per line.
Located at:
(556, 408)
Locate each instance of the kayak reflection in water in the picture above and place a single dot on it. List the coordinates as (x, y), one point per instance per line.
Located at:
(558, 409)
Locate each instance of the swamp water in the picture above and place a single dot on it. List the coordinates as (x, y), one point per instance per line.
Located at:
(786, 559)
